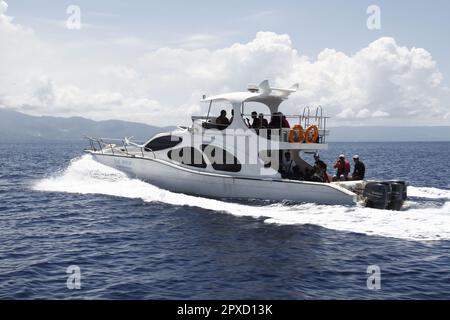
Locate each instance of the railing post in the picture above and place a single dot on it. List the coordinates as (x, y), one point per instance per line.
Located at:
(124, 147)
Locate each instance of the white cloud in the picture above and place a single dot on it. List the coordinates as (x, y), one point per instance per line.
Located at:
(380, 114)
(382, 79)
(363, 114)
(380, 83)
(346, 114)
(350, 114)
(119, 72)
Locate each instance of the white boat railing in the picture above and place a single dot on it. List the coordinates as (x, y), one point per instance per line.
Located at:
(105, 144)
(305, 119)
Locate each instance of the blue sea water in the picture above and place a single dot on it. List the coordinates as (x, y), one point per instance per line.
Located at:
(132, 240)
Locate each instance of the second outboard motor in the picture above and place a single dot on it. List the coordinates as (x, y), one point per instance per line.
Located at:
(398, 195)
(377, 195)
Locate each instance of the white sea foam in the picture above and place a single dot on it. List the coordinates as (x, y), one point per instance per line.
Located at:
(421, 220)
(430, 193)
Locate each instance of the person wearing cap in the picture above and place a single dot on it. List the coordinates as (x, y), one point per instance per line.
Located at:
(320, 169)
(359, 170)
(342, 167)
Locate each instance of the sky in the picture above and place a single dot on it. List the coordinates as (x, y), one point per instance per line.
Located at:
(151, 61)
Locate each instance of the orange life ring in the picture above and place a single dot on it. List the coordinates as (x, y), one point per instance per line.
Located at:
(311, 134)
(296, 134)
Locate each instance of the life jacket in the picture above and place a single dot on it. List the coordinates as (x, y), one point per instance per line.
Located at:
(347, 166)
(342, 168)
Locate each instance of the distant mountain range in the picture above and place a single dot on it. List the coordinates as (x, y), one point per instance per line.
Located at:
(19, 127)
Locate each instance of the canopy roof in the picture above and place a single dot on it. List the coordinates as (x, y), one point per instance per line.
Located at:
(263, 93)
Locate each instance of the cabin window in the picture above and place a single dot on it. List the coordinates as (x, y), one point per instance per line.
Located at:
(220, 159)
(188, 156)
(215, 119)
(164, 142)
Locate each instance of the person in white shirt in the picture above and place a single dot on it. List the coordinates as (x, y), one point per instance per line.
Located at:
(287, 168)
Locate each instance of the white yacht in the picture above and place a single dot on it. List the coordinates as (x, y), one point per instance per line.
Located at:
(238, 159)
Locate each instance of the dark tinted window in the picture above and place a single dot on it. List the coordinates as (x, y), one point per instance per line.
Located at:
(220, 159)
(161, 143)
(188, 156)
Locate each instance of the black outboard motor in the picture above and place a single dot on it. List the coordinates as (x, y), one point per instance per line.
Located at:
(398, 195)
(377, 195)
(385, 195)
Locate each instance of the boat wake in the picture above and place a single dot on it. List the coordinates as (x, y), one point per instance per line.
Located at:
(425, 216)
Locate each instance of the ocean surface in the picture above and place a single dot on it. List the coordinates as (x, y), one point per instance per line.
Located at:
(132, 240)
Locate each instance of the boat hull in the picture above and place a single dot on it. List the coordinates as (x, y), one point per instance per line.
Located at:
(179, 179)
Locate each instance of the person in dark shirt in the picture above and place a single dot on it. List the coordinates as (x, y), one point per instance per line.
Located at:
(275, 121)
(222, 120)
(320, 169)
(255, 123)
(360, 169)
(263, 124)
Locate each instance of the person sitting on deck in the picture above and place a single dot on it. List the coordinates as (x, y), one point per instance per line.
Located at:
(360, 169)
(222, 121)
(288, 168)
(320, 170)
(232, 116)
(342, 167)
